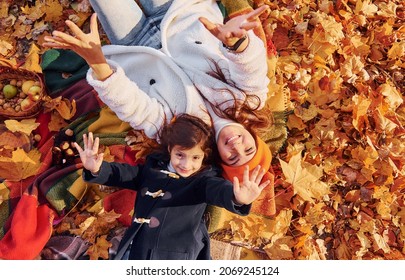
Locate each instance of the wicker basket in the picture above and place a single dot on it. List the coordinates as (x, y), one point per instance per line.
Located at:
(8, 73)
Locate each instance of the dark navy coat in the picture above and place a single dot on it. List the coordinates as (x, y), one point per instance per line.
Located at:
(169, 209)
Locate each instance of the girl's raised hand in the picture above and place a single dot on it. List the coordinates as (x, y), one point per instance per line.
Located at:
(250, 188)
(89, 156)
(236, 27)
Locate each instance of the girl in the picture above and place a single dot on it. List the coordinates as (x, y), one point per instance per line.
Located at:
(174, 187)
(145, 86)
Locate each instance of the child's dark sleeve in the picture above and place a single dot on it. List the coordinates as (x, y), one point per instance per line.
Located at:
(219, 192)
(114, 174)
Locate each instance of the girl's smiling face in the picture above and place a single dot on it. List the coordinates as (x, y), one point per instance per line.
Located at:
(186, 162)
(236, 145)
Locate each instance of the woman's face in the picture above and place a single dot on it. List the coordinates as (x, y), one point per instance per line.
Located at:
(236, 146)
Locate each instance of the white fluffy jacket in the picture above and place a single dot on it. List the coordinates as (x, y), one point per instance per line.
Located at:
(151, 86)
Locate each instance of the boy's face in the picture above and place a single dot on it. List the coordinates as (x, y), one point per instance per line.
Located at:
(186, 162)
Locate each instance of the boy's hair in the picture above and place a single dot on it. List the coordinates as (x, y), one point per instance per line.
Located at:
(187, 131)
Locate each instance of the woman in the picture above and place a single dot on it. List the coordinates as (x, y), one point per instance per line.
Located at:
(205, 68)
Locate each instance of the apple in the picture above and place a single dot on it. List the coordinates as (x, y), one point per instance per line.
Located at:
(33, 91)
(26, 85)
(9, 91)
(27, 104)
(34, 98)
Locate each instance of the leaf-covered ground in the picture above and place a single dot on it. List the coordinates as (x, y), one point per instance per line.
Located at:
(340, 179)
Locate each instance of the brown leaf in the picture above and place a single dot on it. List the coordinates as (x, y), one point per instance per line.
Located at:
(10, 140)
(65, 107)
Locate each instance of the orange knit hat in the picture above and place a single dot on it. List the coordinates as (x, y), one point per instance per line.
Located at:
(265, 203)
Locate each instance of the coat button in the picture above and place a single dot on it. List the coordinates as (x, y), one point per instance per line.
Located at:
(152, 222)
(152, 81)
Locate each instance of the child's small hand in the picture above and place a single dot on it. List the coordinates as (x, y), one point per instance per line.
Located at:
(250, 188)
(90, 157)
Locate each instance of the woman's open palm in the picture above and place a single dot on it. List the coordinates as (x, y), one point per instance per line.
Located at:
(236, 27)
(250, 188)
(88, 46)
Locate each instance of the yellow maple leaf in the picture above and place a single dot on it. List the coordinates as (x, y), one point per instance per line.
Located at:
(32, 62)
(26, 126)
(99, 249)
(351, 66)
(21, 165)
(392, 96)
(280, 249)
(365, 8)
(305, 179)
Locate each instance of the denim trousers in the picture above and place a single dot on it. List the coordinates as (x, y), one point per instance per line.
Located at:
(125, 23)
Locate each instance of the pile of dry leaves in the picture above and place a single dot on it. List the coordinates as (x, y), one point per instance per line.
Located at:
(340, 180)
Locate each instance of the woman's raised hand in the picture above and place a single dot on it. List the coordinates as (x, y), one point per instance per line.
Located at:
(250, 189)
(89, 155)
(236, 27)
(88, 46)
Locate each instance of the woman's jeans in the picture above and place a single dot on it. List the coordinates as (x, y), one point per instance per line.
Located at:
(125, 23)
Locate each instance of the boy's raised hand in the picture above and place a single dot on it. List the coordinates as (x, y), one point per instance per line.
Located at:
(89, 156)
(250, 188)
